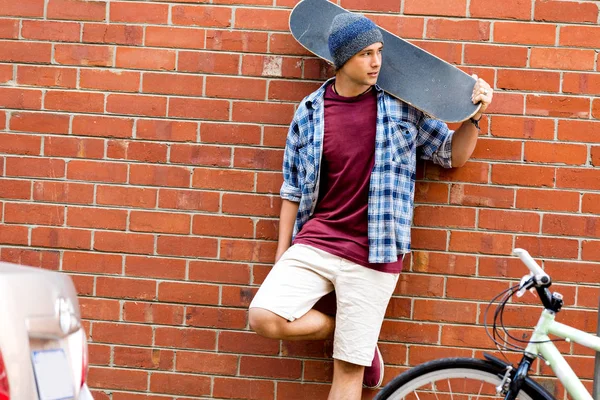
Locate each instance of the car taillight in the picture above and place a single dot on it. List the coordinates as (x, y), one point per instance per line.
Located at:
(4, 389)
(84, 359)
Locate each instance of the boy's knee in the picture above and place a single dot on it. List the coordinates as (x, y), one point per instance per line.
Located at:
(265, 323)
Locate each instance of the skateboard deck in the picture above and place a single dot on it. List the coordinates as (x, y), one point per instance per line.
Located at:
(409, 73)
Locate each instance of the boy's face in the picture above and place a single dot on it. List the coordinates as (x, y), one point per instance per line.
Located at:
(363, 68)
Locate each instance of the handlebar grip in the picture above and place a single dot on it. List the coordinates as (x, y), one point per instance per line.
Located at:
(535, 269)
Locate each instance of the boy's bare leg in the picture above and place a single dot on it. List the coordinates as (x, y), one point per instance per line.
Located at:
(347, 381)
(314, 325)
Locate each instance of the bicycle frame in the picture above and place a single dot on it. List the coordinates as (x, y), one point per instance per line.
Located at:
(547, 325)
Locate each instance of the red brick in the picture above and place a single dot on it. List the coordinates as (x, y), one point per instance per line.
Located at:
(17, 235)
(595, 155)
(142, 221)
(262, 19)
(220, 225)
(428, 239)
(202, 15)
(11, 143)
(506, 56)
(126, 196)
(189, 293)
(20, 98)
(186, 246)
(98, 218)
(136, 104)
(6, 74)
(61, 238)
(73, 147)
(63, 192)
(268, 65)
(143, 13)
(221, 272)
(184, 85)
(124, 288)
(117, 333)
(421, 354)
(529, 80)
(478, 242)
(115, 378)
(137, 151)
(15, 189)
(245, 41)
(142, 58)
(241, 204)
(524, 33)
(512, 9)
(207, 62)
(507, 103)
(509, 221)
(51, 31)
(590, 203)
(124, 242)
(580, 36)
(236, 88)
(447, 51)
(298, 391)
(472, 172)
(383, 5)
(291, 90)
(552, 200)
(158, 175)
(77, 10)
(181, 38)
(571, 225)
(97, 171)
(33, 258)
(47, 76)
(21, 51)
(541, 152)
(247, 250)
(445, 311)
(494, 149)
(405, 331)
(548, 10)
(35, 167)
(143, 358)
(199, 108)
(74, 101)
(33, 214)
(255, 158)
(590, 250)
(113, 34)
(581, 84)
(39, 122)
(518, 127)
(578, 178)
(458, 30)
(206, 363)
(155, 267)
(84, 285)
(454, 8)
(189, 200)
(121, 81)
(102, 126)
(269, 113)
(247, 343)
(283, 43)
(558, 106)
(465, 336)
(548, 247)
(153, 313)
(229, 133)
(443, 263)
(179, 384)
(100, 309)
(24, 8)
(172, 131)
(223, 179)
(444, 216)
(564, 59)
(405, 27)
(88, 55)
(92, 263)
(186, 338)
(522, 175)
(596, 109)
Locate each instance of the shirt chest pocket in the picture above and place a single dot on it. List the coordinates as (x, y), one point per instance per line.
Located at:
(402, 143)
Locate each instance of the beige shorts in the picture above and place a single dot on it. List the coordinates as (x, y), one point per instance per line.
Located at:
(304, 274)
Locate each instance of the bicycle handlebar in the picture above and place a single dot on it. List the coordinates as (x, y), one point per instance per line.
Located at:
(539, 274)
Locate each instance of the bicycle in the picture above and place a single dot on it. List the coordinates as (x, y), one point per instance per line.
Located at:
(464, 378)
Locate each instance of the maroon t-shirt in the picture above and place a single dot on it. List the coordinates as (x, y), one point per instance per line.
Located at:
(339, 223)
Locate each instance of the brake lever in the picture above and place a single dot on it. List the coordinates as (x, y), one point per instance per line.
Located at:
(527, 282)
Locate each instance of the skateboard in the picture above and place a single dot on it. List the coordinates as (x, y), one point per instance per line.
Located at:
(409, 73)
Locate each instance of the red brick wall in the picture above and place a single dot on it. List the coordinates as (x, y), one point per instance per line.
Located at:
(140, 152)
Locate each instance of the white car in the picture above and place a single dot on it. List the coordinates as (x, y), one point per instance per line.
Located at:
(43, 348)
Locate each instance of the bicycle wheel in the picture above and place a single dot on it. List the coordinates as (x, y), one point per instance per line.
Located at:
(452, 379)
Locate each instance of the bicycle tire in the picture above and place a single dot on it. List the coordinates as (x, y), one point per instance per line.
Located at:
(443, 370)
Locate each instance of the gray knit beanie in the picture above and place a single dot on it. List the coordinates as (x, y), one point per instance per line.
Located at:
(349, 34)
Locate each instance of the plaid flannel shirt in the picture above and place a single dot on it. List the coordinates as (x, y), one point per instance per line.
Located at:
(401, 129)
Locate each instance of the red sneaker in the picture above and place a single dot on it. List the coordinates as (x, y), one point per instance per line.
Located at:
(374, 374)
